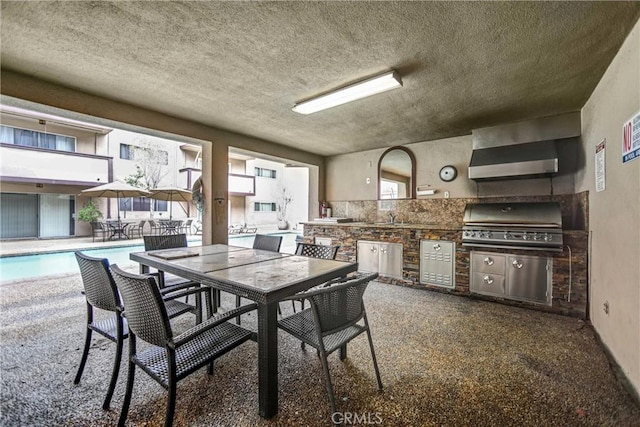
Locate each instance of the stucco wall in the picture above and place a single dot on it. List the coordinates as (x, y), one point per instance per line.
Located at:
(614, 214)
(431, 156)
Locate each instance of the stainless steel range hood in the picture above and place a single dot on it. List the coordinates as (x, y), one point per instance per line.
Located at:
(520, 150)
(514, 161)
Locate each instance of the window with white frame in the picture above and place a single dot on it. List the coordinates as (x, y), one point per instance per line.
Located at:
(142, 204)
(264, 207)
(265, 173)
(32, 138)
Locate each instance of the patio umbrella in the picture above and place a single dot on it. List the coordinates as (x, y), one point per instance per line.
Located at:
(115, 189)
(171, 194)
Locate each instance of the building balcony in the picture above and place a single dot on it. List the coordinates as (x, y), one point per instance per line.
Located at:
(21, 164)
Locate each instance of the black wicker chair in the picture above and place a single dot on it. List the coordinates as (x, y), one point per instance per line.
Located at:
(99, 229)
(172, 241)
(332, 321)
(317, 251)
(170, 358)
(267, 243)
(101, 293)
(314, 251)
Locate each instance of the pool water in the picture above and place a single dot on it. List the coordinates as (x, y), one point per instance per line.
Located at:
(30, 266)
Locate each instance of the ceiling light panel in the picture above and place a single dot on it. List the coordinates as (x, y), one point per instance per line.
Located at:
(372, 86)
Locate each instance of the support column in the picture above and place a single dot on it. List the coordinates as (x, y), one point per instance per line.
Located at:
(215, 182)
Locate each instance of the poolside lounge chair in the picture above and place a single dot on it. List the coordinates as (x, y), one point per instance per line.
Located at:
(235, 229)
(249, 229)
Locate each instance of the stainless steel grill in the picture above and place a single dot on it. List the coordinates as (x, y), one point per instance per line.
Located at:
(534, 226)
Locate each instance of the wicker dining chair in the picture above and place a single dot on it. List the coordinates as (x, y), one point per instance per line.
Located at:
(314, 251)
(268, 243)
(332, 321)
(174, 241)
(317, 251)
(170, 358)
(101, 293)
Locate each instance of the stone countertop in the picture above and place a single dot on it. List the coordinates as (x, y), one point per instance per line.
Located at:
(421, 226)
(363, 224)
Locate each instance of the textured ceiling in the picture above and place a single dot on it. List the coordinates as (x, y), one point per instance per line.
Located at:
(241, 66)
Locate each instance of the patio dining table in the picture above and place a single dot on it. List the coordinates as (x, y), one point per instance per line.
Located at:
(117, 229)
(261, 276)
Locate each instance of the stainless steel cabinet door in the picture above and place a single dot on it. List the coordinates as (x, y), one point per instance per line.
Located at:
(437, 263)
(390, 260)
(529, 278)
(368, 257)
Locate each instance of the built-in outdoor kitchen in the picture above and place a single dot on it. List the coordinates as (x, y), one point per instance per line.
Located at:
(525, 247)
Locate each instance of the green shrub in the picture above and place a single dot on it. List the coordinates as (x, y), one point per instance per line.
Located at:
(89, 213)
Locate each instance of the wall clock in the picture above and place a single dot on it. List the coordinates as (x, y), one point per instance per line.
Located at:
(448, 173)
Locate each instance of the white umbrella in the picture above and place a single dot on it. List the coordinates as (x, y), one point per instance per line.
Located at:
(115, 189)
(171, 194)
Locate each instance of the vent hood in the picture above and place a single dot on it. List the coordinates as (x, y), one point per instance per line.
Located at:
(514, 161)
(521, 150)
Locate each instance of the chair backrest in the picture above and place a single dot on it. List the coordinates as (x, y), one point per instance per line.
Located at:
(97, 225)
(267, 242)
(317, 251)
(143, 306)
(99, 287)
(339, 306)
(142, 223)
(170, 241)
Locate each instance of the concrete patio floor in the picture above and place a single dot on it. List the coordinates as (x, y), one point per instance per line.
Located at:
(445, 361)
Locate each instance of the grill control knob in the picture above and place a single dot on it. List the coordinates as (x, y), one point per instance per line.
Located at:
(525, 236)
(488, 280)
(488, 261)
(549, 237)
(506, 235)
(536, 236)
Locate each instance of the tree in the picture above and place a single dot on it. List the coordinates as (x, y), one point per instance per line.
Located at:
(150, 162)
(283, 199)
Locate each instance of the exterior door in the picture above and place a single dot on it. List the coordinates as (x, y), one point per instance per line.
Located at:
(18, 216)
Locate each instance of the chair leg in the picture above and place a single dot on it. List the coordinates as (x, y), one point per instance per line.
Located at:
(116, 364)
(325, 367)
(130, 376)
(87, 344)
(373, 353)
(171, 398)
(85, 353)
(237, 305)
(343, 352)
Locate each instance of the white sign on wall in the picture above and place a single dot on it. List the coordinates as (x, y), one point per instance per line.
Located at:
(600, 163)
(631, 139)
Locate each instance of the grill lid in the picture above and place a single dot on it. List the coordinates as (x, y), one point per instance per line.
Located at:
(543, 214)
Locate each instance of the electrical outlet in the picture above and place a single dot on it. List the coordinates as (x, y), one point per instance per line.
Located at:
(606, 307)
(446, 194)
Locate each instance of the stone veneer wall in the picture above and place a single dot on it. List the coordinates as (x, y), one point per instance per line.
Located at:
(451, 211)
(446, 224)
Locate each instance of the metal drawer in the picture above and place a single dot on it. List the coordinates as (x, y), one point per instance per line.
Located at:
(482, 262)
(490, 284)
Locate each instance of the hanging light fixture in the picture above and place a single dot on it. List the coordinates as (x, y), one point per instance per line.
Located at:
(371, 86)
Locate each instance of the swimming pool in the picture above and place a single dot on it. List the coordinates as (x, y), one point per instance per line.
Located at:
(30, 266)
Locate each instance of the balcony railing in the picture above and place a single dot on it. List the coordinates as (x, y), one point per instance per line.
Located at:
(29, 164)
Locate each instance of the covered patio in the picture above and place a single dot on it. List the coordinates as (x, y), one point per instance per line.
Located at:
(444, 360)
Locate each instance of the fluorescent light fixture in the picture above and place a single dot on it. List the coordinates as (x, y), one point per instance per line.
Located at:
(368, 87)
